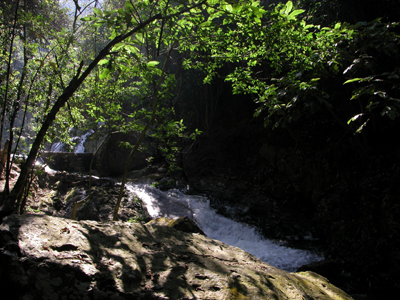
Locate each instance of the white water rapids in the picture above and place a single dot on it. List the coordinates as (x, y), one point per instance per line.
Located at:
(175, 204)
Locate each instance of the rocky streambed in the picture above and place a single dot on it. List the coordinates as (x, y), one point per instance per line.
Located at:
(46, 255)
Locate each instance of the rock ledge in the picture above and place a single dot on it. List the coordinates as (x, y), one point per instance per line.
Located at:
(44, 257)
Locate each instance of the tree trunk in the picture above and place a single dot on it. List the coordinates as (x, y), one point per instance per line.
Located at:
(3, 157)
(10, 200)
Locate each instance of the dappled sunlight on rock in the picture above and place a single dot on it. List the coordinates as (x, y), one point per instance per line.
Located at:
(47, 257)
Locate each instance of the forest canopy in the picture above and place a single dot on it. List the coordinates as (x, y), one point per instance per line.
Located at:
(121, 65)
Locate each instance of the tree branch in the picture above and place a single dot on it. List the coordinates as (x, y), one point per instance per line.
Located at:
(10, 200)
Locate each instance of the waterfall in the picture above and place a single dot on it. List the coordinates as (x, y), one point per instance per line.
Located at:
(175, 204)
(79, 148)
(57, 147)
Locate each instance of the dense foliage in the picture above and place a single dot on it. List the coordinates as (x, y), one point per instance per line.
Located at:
(152, 66)
(285, 63)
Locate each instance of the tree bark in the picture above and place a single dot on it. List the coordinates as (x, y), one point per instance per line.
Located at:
(3, 157)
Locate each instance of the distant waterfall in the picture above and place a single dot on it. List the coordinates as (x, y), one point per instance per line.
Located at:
(79, 148)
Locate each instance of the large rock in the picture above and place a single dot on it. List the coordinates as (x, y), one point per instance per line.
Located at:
(44, 257)
(111, 157)
(69, 161)
(183, 224)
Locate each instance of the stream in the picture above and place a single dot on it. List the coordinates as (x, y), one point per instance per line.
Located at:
(174, 204)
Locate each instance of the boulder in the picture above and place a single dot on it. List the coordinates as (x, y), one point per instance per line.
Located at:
(68, 161)
(57, 193)
(45, 257)
(111, 157)
(184, 224)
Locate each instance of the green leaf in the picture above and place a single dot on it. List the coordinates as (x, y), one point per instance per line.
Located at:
(289, 6)
(99, 23)
(352, 80)
(121, 12)
(118, 46)
(108, 13)
(105, 73)
(337, 26)
(206, 24)
(257, 11)
(362, 126)
(89, 18)
(103, 62)
(296, 12)
(53, 65)
(354, 118)
(129, 7)
(140, 37)
(152, 63)
(113, 34)
(229, 7)
(98, 12)
(132, 49)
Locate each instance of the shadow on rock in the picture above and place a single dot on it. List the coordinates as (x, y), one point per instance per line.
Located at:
(45, 257)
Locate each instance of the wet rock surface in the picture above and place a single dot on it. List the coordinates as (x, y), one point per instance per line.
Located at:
(46, 257)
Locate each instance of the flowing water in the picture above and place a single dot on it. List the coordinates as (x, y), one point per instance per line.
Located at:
(79, 148)
(175, 204)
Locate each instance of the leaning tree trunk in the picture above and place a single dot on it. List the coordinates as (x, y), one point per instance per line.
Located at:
(10, 199)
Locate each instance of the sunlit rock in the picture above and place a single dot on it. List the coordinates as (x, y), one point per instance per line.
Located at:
(44, 257)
